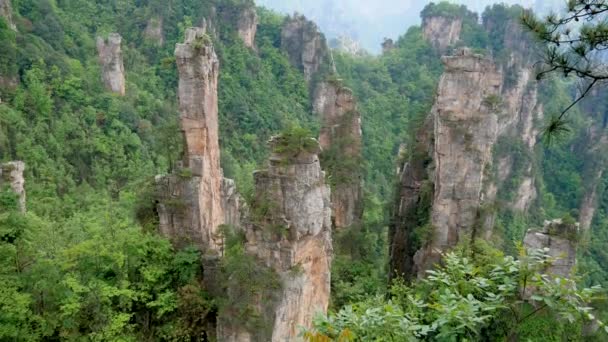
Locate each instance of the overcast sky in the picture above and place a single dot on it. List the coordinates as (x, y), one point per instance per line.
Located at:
(369, 21)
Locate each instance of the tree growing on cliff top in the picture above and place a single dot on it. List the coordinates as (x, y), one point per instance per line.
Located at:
(575, 44)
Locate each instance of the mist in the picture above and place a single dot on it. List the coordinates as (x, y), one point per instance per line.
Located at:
(369, 22)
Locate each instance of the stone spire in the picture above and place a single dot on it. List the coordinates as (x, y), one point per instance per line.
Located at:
(293, 239)
(11, 173)
(110, 57)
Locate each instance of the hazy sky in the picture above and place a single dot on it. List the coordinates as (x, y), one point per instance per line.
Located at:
(369, 21)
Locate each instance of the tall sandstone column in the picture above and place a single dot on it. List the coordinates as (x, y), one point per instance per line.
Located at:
(465, 131)
(340, 138)
(191, 208)
(6, 11)
(293, 239)
(110, 56)
(11, 174)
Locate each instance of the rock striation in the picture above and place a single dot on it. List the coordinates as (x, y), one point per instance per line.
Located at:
(11, 174)
(190, 208)
(559, 239)
(441, 32)
(593, 149)
(521, 112)
(154, 31)
(247, 24)
(110, 56)
(306, 46)
(6, 12)
(453, 170)
(291, 236)
(340, 138)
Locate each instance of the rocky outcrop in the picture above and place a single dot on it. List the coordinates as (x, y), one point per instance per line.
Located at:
(595, 164)
(387, 45)
(453, 170)
(154, 31)
(190, 207)
(291, 234)
(306, 46)
(441, 32)
(110, 56)
(247, 24)
(465, 128)
(346, 44)
(11, 175)
(521, 113)
(6, 12)
(594, 149)
(340, 138)
(559, 240)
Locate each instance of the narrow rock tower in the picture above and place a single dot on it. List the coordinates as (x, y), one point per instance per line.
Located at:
(340, 137)
(11, 173)
(190, 207)
(110, 57)
(290, 233)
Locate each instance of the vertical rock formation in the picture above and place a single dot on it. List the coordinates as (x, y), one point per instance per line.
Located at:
(387, 45)
(594, 151)
(247, 24)
(154, 30)
(520, 114)
(465, 127)
(192, 205)
(340, 138)
(448, 173)
(291, 234)
(441, 31)
(110, 57)
(6, 12)
(306, 46)
(11, 174)
(560, 240)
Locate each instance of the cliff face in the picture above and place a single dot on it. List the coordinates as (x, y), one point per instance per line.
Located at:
(110, 56)
(11, 174)
(192, 205)
(593, 148)
(518, 123)
(154, 30)
(247, 24)
(465, 126)
(6, 11)
(560, 240)
(451, 172)
(340, 138)
(293, 238)
(305, 45)
(441, 32)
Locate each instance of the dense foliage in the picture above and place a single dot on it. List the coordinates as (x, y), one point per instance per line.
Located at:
(85, 261)
(474, 296)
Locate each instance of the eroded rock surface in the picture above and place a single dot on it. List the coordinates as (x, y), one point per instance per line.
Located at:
(247, 25)
(110, 56)
(6, 11)
(293, 238)
(154, 30)
(306, 46)
(11, 174)
(560, 240)
(191, 205)
(340, 137)
(465, 131)
(441, 32)
(448, 170)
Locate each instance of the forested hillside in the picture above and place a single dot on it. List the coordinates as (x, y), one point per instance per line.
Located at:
(89, 104)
